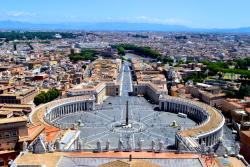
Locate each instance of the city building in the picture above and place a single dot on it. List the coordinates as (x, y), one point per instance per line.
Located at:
(102, 80)
(211, 95)
(18, 95)
(149, 82)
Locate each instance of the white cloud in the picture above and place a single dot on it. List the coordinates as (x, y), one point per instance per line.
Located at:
(20, 14)
(145, 19)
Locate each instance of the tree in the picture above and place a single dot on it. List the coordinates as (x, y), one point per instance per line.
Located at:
(181, 62)
(140, 50)
(84, 66)
(121, 50)
(167, 60)
(230, 93)
(244, 91)
(38, 100)
(85, 54)
(45, 97)
(14, 45)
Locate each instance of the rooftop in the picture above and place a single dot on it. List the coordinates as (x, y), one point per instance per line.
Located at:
(13, 120)
(77, 158)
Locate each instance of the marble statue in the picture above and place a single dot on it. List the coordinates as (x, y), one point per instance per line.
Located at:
(120, 144)
(237, 148)
(161, 145)
(79, 144)
(99, 146)
(153, 146)
(107, 145)
(140, 144)
(25, 145)
(57, 145)
(50, 147)
(129, 144)
(203, 147)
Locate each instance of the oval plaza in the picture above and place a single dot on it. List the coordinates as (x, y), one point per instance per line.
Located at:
(118, 118)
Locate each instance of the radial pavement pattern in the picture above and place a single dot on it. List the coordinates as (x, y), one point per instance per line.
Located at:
(145, 124)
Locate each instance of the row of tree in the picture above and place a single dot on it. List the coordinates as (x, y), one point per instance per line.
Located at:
(45, 97)
(197, 77)
(143, 51)
(240, 67)
(140, 36)
(241, 93)
(243, 63)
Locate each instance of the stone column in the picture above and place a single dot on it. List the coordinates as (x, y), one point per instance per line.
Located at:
(87, 106)
(52, 113)
(209, 140)
(71, 108)
(49, 116)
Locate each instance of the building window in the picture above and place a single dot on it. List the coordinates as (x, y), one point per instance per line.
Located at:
(1, 162)
(7, 134)
(14, 133)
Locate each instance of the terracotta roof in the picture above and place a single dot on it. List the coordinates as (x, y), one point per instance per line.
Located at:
(246, 133)
(52, 133)
(33, 132)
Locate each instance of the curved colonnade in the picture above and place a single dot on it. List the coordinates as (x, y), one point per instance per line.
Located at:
(208, 131)
(210, 121)
(49, 112)
(66, 107)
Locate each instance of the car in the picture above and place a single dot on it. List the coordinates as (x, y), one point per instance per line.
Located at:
(182, 115)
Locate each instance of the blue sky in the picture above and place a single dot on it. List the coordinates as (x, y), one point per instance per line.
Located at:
(193, 13)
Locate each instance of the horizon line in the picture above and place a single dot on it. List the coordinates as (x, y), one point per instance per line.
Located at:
(125, 22)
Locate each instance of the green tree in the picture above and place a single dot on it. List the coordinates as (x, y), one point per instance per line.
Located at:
(84, 66)
(38, 100)
(85, 54)
(244, 91)
(45, 97)
(140, 50)
(121, 50)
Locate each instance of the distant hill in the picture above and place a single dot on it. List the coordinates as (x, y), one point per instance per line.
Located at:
(110, 26)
